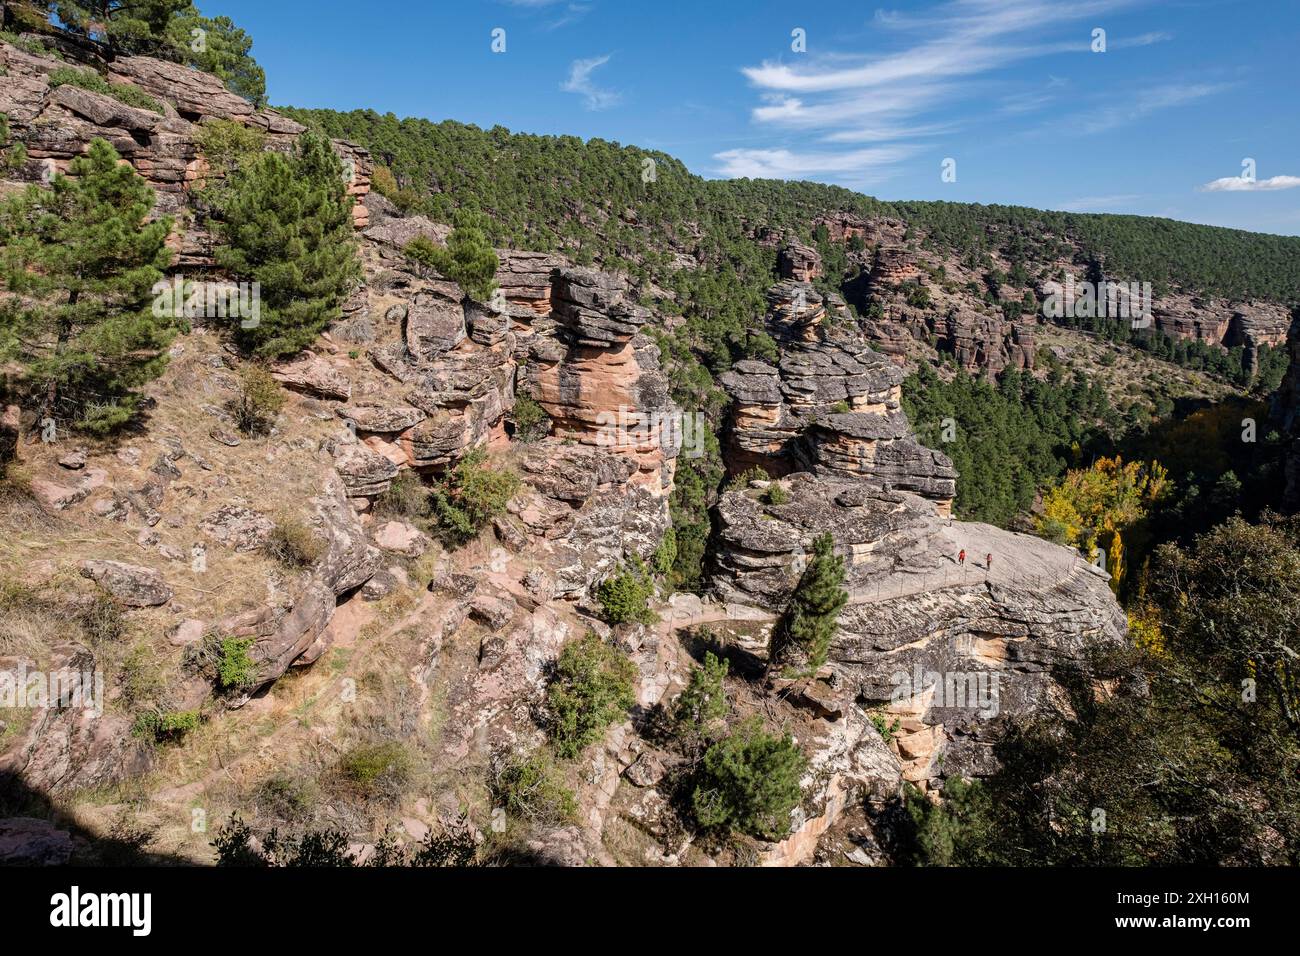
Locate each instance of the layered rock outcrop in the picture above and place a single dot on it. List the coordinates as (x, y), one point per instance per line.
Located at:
(830, 405)
(942, 649)
(598, 377)
(56, 124)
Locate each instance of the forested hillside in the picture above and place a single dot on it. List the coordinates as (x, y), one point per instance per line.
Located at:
(593, 199)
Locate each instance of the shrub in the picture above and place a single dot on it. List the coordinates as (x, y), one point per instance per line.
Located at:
(625, 595)
(101, 620)
(776, 495)
(591, 688)
(468, 258)
(665, 555)
(236, 669)
(225, 143)
(293, 544)
(287, 798)
(259, 400)
(471, 496)
(451, 845)
(89, 80)
(702, 706)
(407, 497)
(159, 727)
(377, 767)
(749, 782)
(742, 480)
(531, 422)
(529, 787)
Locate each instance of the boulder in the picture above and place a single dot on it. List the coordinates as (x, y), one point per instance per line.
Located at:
(130, 584)
(314, 375)
(401, 538)
(238, 528)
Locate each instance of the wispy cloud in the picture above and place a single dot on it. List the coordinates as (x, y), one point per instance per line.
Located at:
(572, 10)
(943, 56)
(1142, 104)
(580, 82)
(1235, 184)
(854, 167)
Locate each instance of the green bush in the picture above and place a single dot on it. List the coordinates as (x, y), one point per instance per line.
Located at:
(293, 544)
(702, 706)
(93, 82)
(259, 400)
(236, 669)
(749, 782)
(407, 498)
(225, 143)
(591, 688)
(776, 495)
(376, 767)
(529, 787)
(471, 496)
(742, 480)
(625, 595)
(665, 555)
(531, 422)
(158, 727)
(468, 258)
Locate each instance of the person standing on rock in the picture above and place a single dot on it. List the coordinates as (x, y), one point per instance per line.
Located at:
(988, 561)
(961, 557)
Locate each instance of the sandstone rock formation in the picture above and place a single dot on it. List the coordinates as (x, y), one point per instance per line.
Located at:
(600, 381)
(58, 124)
(831, 404)
(943, 649)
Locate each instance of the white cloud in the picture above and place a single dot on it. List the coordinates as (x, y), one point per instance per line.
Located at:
(1235, 184)
(894, 96)
(856, 166)
(1142, 104)
(580, 82)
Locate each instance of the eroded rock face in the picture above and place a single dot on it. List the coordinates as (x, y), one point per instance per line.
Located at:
(74, 745)
(587, 513)
(58, 124)
(601, 385)
(829, 405)
(940, 647)
(799, 262)
(301, 634)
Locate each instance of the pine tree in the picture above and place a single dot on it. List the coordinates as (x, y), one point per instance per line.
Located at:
(125, 26)
(216, 45)
(801, 640)
(286, 223)
(80, 260)
(468, 260)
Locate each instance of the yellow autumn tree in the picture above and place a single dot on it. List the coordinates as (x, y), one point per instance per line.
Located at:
(1095, 508)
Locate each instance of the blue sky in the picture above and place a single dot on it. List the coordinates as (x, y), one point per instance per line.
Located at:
(1157, 124)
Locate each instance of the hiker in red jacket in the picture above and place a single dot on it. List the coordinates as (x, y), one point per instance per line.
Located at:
(961, 557)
